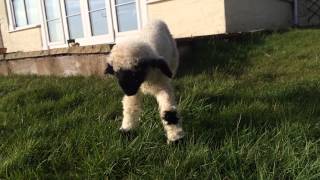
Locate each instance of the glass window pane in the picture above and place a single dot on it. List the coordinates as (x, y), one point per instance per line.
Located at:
(55, 31)
(75, 27)
(19, 13)
(96, 4)
(32, 11)
(52, 9)
(72, 7)
(127, 17)
(124, 1)
(99, 23)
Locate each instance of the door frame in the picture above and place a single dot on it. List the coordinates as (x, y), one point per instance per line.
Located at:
(112, 36)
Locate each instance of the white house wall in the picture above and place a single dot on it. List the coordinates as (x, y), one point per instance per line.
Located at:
(23, 40)
(185, 18)
(188, 18)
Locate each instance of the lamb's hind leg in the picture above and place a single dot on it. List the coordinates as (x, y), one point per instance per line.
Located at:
(131, 112)
(169, 115)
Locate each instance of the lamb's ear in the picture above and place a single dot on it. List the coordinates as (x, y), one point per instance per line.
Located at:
(163, 66)
(109, 69)
(158, 63)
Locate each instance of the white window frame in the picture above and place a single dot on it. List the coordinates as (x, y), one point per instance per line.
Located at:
(98, 39)
(45, 25)
(64, 13)
(120, 35)
(88, 38)
(110, 38)
(12, 20)
(153, 1)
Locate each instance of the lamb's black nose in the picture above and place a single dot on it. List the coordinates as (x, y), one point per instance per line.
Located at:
(130, 93)
(129, 89)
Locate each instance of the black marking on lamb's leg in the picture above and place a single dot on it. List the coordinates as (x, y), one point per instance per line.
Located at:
(171, 117)
(179, 142)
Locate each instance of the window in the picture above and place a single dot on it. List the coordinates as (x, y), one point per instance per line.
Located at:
(53, 20)
(24, 13)
(126, 15)
(90, 21)
(87, 21)
(98, 17)
(73, 17)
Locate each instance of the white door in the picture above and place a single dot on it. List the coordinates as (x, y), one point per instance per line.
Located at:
(86, 21)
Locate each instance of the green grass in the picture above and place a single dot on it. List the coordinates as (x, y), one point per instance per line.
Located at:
(250, 107)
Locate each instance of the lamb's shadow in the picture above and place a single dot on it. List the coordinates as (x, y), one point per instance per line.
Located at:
(228, 54)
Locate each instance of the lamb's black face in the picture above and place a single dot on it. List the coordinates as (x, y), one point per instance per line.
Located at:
(130, 80)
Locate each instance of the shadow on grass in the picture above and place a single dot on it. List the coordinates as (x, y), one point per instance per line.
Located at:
(226, 55)
(229, 113)
(229, 55)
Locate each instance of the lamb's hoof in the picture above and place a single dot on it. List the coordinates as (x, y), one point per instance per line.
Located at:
(124, 131)
(178, 139)
(176, 142)
(127, 133)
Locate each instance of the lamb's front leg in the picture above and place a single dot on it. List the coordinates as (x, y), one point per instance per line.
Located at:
(170, 118)
(131, 112)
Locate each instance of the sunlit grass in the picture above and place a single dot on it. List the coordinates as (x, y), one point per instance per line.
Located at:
(250, 108)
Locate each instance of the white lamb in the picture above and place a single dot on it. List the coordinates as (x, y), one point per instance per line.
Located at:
(145, 64)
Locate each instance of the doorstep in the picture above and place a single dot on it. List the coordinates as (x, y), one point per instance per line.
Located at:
(93, 49)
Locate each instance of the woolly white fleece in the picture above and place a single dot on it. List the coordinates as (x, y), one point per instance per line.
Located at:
(153, 41)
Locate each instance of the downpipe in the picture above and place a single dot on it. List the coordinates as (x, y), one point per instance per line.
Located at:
(295, 13)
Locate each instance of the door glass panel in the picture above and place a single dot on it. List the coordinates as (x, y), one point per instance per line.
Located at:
(127, 17)
(72, 7)
(96, 4)
(99, 23)
(19, 13)
(32, 11)
(75, 27)
(74, 19)
(55, 31)
(124, 1)
(52, 9)
(98, 17)
(54, 23)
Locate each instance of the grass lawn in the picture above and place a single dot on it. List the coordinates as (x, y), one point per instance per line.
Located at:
(251, 109)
